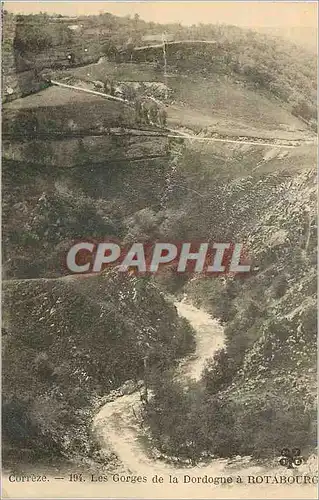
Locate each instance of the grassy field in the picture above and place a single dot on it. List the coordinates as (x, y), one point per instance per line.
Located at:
(57, 109)
(216, 102)
(227, 104)
(121, 71)
(239, 160)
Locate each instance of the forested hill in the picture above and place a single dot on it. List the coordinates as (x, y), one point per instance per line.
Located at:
(270, 63)
(285, 70)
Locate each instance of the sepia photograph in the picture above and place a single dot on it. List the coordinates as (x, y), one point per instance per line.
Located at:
(159, 249)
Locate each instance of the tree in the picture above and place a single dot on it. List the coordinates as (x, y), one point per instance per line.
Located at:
(110, 50)
(32, 36)
(303, 110)
(219, 372)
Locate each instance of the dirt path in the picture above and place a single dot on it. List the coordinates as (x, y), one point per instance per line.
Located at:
(260, 142)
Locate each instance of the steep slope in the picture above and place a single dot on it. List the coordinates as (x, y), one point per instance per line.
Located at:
(274, 319)
(72, 165)
(263, 383)
(78, 167)
(69, 342)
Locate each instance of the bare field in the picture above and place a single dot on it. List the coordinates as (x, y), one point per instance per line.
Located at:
(57, 96)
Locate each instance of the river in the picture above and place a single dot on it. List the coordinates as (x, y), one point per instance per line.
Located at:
(116, 423)
(120, 431)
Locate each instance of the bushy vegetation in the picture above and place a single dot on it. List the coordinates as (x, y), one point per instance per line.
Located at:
(262, 381)
(286, 71)
(254, 406)
(46, 208)
(75, 344)
(77, 341)
(39, 230)
(36, 33)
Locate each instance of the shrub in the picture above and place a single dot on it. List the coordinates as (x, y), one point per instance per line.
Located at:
(218, 372)
(37, 33)
(33, 34)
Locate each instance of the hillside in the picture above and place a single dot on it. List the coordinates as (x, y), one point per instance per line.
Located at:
(285, 70)
(77, 341)
(270, 319)
(235, 162)
(214, 103)
(72, 164)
